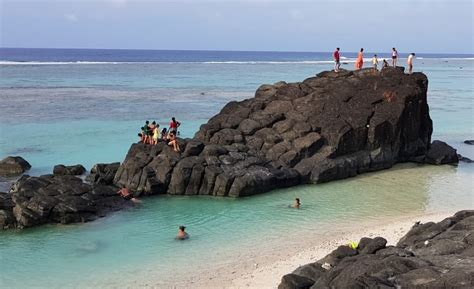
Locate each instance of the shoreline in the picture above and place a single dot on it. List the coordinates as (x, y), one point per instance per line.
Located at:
(265, 270)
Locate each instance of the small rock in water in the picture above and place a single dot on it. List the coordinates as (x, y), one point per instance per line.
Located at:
(469, 141)
(464, 159)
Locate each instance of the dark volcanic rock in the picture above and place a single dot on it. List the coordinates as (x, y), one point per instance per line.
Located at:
(13, 166)
(63, 170)
(56, 199)
(464, 159)
(329, 127)
(441, 153)
(293, 281)
(431, 255)
(469, 141)
(103, 173)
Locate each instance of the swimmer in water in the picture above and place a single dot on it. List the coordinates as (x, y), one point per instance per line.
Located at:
(182, 235)
(297, 203)
(125, 193)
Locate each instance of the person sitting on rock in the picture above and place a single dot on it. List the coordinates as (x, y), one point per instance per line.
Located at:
(164, 133)
(384, 63)
(297, 203)
(172, 141)
(182, 235)
(125, 193)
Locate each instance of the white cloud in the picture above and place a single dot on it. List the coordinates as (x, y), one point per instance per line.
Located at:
(70, 17)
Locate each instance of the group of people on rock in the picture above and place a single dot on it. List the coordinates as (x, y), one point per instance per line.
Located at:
(151, 134)
(375, 61)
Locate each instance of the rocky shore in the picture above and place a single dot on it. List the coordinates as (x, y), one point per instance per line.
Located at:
(430, 255)
(328, 127)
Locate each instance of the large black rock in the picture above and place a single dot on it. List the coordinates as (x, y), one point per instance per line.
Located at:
(329, 127)
(431, 255)
(13, 166)
(56, 199)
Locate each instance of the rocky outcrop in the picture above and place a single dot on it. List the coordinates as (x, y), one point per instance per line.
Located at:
(56, 199)
(441, 153)
(103, 173)
(431, 255)
(75, 170)
(13, 166)
(328, 127)
(469, 141)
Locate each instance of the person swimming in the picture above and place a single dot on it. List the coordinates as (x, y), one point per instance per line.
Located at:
(125, 193)
(297, 204)
(182, 235)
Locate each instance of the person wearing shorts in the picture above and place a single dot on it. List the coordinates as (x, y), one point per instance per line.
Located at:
(394, 57)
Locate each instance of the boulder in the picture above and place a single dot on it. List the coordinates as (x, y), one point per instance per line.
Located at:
(63, 170)
(56, 199)
(469, 141)
(328, 127)
(431, 255)
(441, 153)
(293, 281)
(103, 173)
(13, 166)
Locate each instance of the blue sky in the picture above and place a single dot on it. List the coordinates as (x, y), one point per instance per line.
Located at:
(270, 25)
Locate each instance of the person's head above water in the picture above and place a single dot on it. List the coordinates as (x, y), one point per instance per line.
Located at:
(298, 201)
(182, 228)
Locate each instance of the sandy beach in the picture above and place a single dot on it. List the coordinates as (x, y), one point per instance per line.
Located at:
(265, 270)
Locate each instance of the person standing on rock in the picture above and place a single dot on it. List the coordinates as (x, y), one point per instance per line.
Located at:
(394, 57)
(375, 61)
(410, 62)
(337, 63)
(174, 124)
(360, 59)
(156, 134)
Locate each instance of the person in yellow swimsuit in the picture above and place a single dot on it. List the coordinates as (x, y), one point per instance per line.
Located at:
(375, 61)
(156, 134)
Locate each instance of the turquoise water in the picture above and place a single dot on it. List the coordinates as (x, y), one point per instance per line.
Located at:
(137, 246)
(90, 113)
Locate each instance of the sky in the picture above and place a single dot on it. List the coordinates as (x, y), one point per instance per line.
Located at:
(263, 25)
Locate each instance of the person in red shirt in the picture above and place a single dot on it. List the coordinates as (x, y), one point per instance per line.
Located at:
(337, 62)
(174, 124)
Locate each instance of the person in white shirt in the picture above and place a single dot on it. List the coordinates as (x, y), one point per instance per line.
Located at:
(410, 62)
